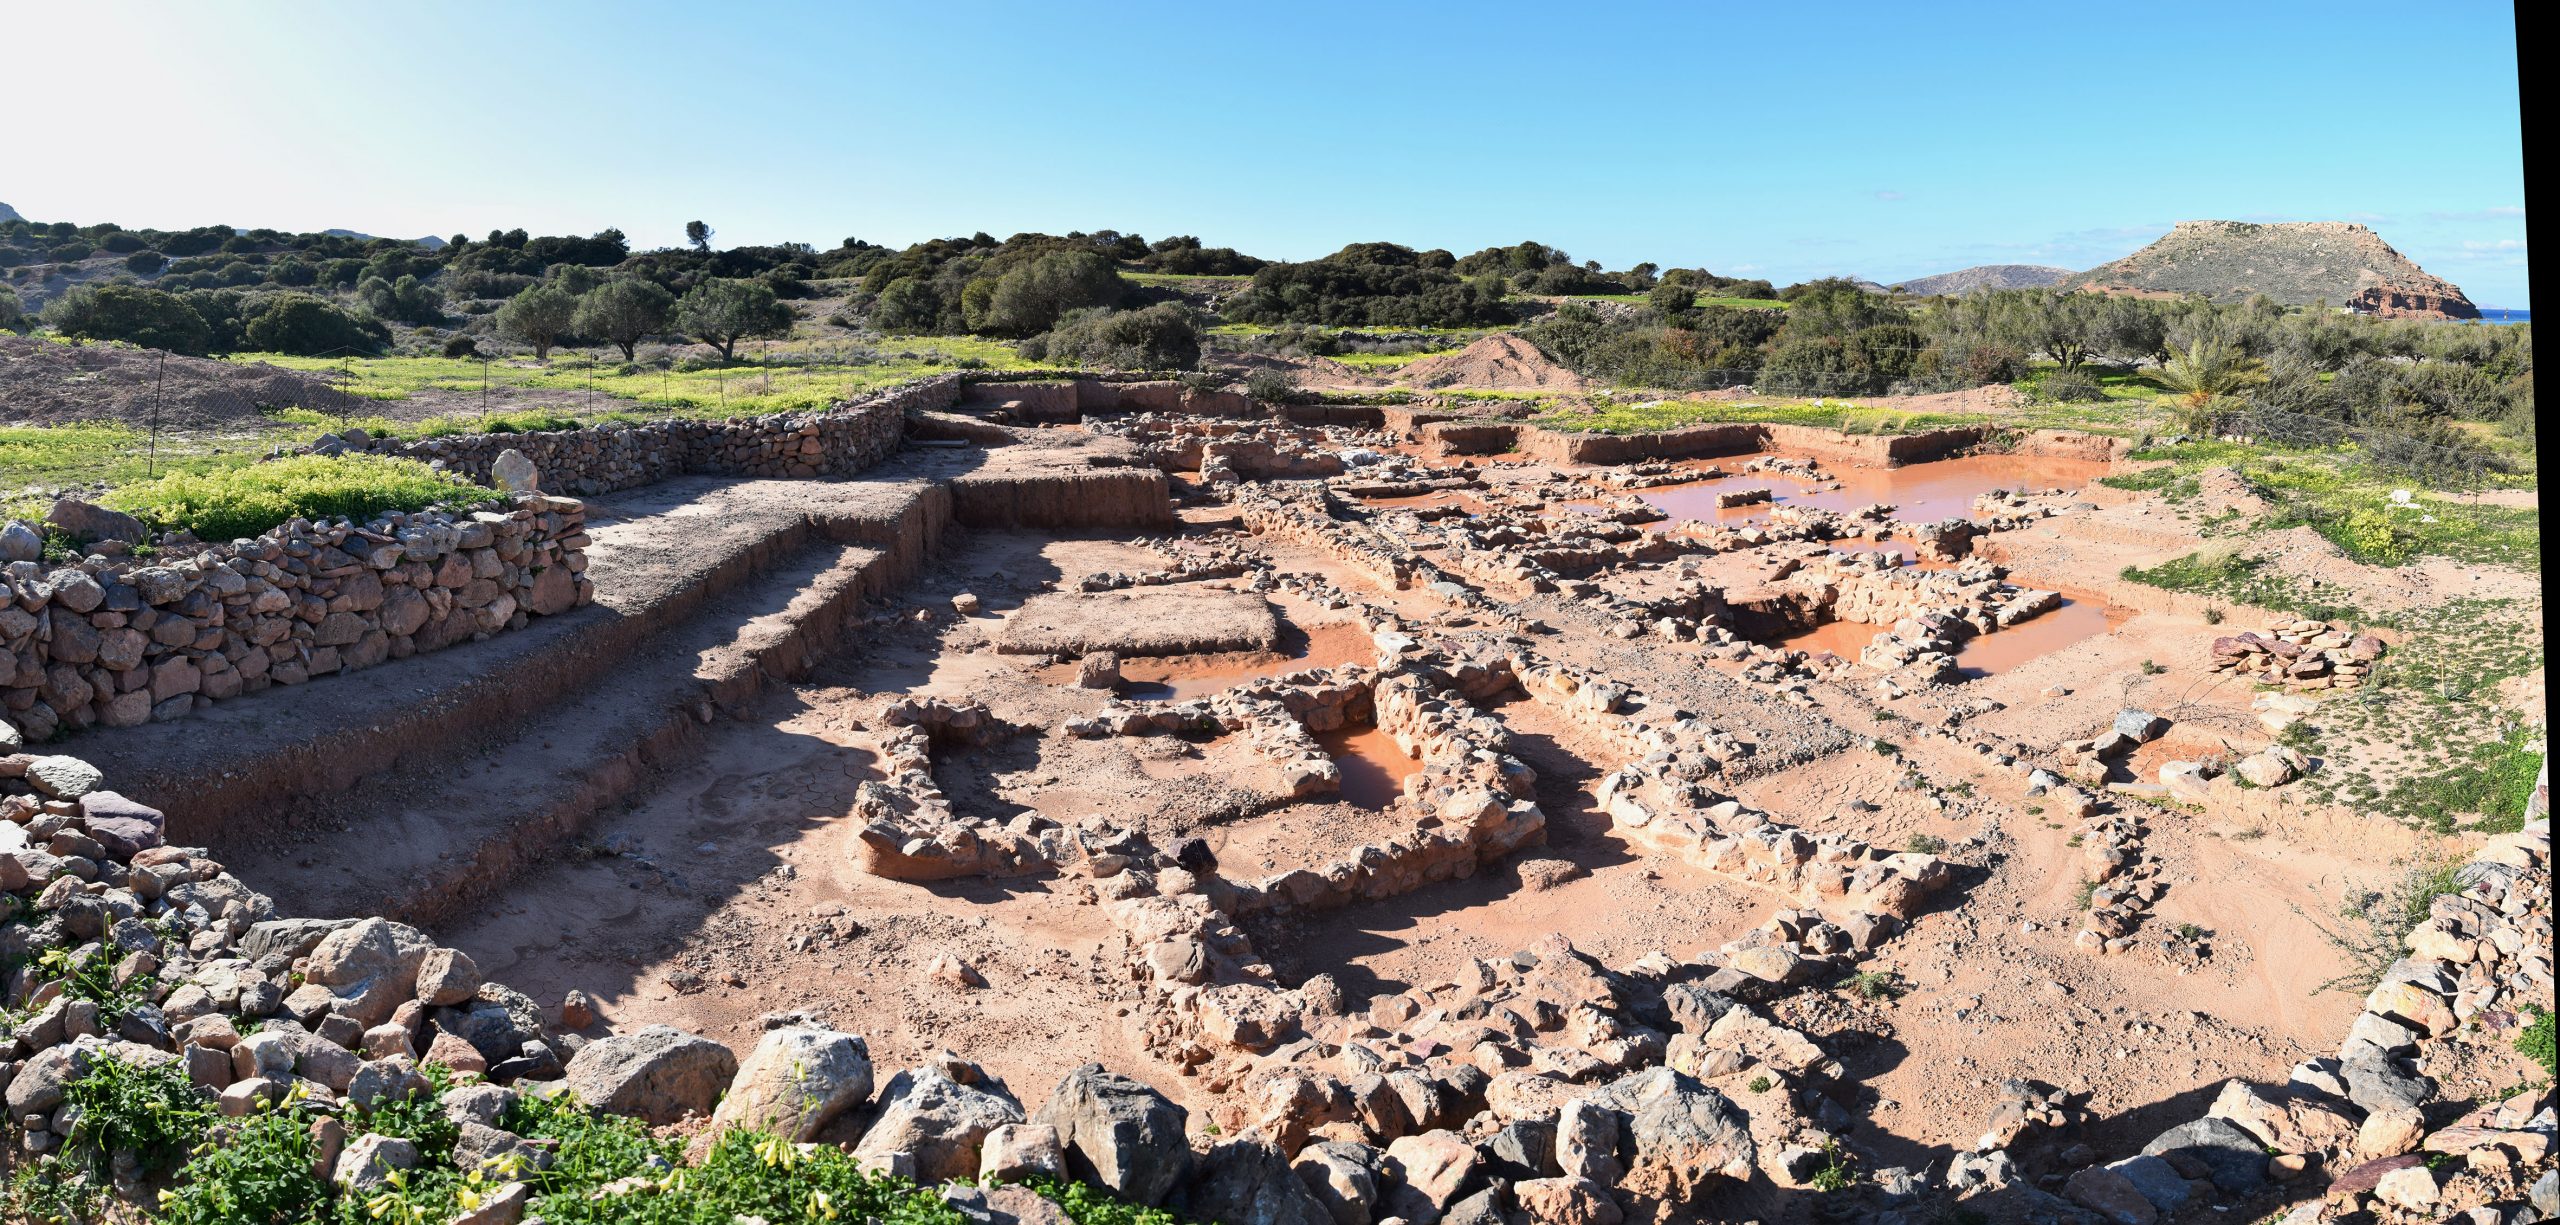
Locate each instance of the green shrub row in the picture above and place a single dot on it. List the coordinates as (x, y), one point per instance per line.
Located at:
(231, 503)
(605, 1169)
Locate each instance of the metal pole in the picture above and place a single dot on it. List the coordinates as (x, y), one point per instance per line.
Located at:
(151, 461)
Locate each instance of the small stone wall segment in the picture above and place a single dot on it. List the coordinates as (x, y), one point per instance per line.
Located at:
(123, 642)
(840, 441)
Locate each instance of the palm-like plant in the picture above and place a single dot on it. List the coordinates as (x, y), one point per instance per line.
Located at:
(2210, 368)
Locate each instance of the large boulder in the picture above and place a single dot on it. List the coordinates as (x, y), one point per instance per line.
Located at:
(2216, 1149)
(937, 1122)
(1433, 1170)
(370, 967)
(1119, 1134)
(124, 827)
(795, 1082)
(1681, 1135)
(1344, 1177)
(658, 1075)
(89, 523)
(1248, 1182)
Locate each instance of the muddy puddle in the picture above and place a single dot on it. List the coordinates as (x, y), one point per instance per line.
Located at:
(1842, 638)
(1373, 768)
(1919, 493)
(2081, 616)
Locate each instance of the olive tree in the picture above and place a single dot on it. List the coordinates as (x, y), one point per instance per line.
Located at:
(722, 311)
(623, 311)
(539, 317)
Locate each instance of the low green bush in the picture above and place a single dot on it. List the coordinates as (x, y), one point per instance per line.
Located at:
(237, 502)
(2538, 1042)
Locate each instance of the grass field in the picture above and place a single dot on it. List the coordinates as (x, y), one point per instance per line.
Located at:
(2347, 501)
(45, 458)
(583, 384)
(1383, 362)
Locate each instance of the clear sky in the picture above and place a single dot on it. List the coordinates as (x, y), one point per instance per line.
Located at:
(1885, 140)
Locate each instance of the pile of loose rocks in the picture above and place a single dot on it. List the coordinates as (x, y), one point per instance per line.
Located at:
(342, 1016)
(2300, 654)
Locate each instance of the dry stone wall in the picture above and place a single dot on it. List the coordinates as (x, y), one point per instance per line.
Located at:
(119, 642)
(600, 459)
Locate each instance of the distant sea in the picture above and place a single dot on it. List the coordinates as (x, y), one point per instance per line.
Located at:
(2501, 314)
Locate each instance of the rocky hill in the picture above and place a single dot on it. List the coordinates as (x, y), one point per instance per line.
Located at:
(1987, 276)
(9, 214)
(2297, 263)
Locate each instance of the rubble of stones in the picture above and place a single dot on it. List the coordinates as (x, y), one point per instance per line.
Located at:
(116, 640)
(2300, 654)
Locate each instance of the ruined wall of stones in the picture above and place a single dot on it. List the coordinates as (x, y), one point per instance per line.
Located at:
(600, 459)
(1049, 398)
(2372, 1116)
(124, 641)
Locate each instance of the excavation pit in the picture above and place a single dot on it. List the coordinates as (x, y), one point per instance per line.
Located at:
(1380, 754)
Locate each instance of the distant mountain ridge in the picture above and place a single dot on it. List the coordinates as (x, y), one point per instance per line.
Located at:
(1987, 276)
(430, 242)
(9, 214)
(2297, 263)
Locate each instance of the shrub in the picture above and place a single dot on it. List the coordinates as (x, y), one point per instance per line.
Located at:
(1926, 844)
(2069, 386)
(908, 305)
(151, 1110)
(1271, 386)
(145, 262)
(302, 324)
(1032, 297)
(149, 318)
(2537, 1042)
(237, 502)
(407, 299)
(1161, 337)
(261, 1171)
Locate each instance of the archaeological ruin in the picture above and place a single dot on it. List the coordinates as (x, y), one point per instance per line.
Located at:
(1300, 813)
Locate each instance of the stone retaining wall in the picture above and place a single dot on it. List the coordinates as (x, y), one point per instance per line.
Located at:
(600, 459)
(118, 643)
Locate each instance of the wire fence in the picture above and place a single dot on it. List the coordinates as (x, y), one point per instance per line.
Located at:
(2393, 451)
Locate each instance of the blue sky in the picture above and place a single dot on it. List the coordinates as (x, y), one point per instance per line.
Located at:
(1786, 141)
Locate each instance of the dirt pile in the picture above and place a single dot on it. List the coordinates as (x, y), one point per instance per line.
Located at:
(1502, 362)
(48, 383)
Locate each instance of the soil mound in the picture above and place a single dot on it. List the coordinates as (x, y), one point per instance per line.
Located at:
(1500, 362)
(48, 383)
(1309, 371)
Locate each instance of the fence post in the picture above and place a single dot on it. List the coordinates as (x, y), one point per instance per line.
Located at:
(151, 460)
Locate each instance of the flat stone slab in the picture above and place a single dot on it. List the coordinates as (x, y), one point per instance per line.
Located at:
(1182, 619)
